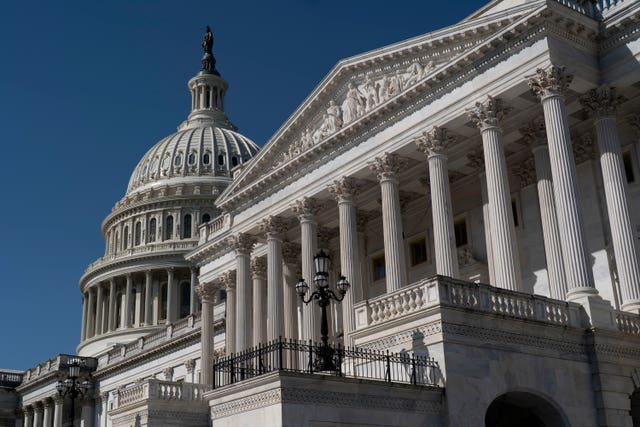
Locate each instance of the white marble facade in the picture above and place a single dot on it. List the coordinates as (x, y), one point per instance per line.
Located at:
(479, 186)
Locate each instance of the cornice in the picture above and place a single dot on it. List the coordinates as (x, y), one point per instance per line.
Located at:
(537, 25)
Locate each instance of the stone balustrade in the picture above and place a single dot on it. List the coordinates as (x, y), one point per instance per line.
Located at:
(153, 389)
(149, 248)
(214, 227)
(629, 323)
(444, 291)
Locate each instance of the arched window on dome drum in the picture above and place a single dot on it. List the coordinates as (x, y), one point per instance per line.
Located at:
(234, 161)
(178, 160)
(125, 237)
(192, 159)
(185, 299)
(168, 228)
(152, 230)
(206, 218)
(138, 233)
(206, 159)
(186, 228)
(220, 159)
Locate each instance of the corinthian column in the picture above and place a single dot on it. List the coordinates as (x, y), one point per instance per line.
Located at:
(193, 303)
(487, 116)
(243, 244)
(229, 282)
(344, 191)
(387, 168)
(549, 87)
(602, 104)
(306, 209)
(99, 304)
(535, 135)
(148, 298)
(259, 273)
(91, 314)
(128, 301)
(171, 297)
(291, 273)
(274, 227)
(37, 414)
(434, 145)
(206, 292)
(47, 418)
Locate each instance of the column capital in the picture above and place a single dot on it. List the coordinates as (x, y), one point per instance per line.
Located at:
(229, 279)
(190, 365)
(274, 226)
(488, 114)
(242, 243)
(602, 101)
(259, 267)
(291, 253)
(434, 142)
(534, 133)
(475, 159)
(387, 166)
(553, 81)
(362, 218)
(344, 189)
(583, 148)
(325, 234)
(48, 402)
(207, 292)
(306, 208)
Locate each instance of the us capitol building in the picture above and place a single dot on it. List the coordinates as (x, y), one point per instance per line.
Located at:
(478, 187)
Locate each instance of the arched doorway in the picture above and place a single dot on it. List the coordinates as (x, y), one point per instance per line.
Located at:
(635, 408)
(523, 409)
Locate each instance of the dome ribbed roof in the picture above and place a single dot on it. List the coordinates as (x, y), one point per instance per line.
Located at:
(196, 154)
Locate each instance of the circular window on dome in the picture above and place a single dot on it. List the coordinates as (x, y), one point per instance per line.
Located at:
(206, 159)
(192, 158)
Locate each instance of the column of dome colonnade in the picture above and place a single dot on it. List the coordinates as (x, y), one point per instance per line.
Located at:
(487, 116)
(434, 145)
(387, 167)
(550, 85)
(259, 275)
(291, 272)
(602, 103)
(207, 293)
(344, 191)
(242, 244)
(536, 137)
(306, 210)
(274, 227)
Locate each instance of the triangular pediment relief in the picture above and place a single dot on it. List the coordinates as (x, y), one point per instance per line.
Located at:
(361, 87)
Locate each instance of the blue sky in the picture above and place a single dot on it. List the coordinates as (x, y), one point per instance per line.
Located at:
(87, 87)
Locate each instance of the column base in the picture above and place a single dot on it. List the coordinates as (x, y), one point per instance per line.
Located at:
(599, 310)
(632, 306)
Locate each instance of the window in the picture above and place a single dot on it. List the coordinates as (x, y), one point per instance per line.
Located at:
(379, 271)
(125, 237)
(166, 161)
(206, 159)
(418, 250)
(220, 159)
(186, 228)
(628, 167)
(138, 233)
(192, 158)
(234, 161)
(152, 230)
(460, 230)
(206, 218)
(168, 228)
(178, 160)
(185, 299)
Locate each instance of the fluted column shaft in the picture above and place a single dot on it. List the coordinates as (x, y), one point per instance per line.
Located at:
(396, 272)
(206, 292)
(259, 271)
(550, 230)
(91, 314)
(37, 416)
(504, 244)
(290, 278)
(442, 212)
(230, 308)
(112, 304)
(28, 418)
(275, 312)
(309, 246)
(486, 219)
(47, 418)
(193, 298)
(244, 304)
(58, 405)
(622, 234)
(83, 328)
(171, 297)
(99, 304)
(148, 298)
(128, 302)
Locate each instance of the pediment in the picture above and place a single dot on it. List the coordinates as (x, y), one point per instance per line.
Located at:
(363, 86)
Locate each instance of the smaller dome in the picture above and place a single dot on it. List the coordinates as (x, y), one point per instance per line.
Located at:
(195, 154)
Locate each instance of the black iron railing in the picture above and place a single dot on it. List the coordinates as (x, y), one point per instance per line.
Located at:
(10, 379)
(304, 357)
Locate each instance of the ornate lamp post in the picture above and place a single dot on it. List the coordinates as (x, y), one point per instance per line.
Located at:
(323, 295)
(72, 386)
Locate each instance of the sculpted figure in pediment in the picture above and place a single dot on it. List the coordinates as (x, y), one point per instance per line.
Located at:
(383, 89)
(306, 139)
(414, 74)
(353, 105)
(395, 84)
(370, 94)
(334, 117)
